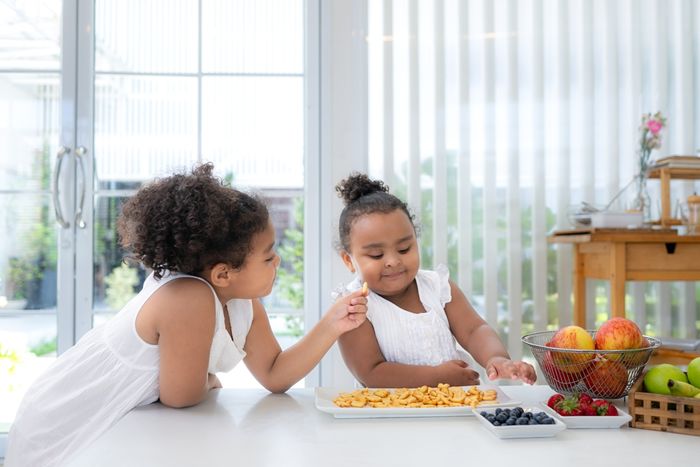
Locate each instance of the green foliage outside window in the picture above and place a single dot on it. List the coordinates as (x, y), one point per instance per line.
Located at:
(39, 250)
(290, 276)
(9, 359)
(121, 283)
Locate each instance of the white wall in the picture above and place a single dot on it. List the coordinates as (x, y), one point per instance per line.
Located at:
(343, 142)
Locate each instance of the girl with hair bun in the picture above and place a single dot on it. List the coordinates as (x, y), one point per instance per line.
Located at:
(415, 317)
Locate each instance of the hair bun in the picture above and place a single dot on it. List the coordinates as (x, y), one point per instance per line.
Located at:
(358, 185)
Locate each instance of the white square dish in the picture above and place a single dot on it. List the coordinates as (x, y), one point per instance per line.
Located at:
(520, 431)
(590, 421)
(325, 396)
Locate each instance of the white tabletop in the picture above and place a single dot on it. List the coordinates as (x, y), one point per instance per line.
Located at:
(239, 427)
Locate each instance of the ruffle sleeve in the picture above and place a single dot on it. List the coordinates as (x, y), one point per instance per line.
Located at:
(443, 284)
(342, 290)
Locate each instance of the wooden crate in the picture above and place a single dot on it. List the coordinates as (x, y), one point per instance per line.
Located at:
(663, 413)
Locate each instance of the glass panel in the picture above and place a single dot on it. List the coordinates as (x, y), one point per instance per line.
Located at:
(28, 254)
(115, 281)
(253, 36)
(158, 36)
(29, 116)
(253, 128)
(30, 35)
(144, 126)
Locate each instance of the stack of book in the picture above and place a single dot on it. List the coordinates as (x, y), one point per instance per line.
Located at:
(677, 162)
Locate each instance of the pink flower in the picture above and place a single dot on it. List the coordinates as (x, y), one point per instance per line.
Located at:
(654, 126)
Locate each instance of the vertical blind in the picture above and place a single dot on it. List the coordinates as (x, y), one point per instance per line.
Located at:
(492, 118)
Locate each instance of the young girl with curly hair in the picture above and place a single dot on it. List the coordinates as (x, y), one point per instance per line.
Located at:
(415, 317)
(211, 250)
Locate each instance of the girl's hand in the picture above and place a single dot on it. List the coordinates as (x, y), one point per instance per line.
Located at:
(348, 312)
(501, 367)
(457, 373)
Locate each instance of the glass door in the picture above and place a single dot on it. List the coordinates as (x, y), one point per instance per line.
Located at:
(98, 98)
(36, 180)
(175, 83)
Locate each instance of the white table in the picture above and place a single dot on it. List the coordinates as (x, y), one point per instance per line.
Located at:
(237, 427)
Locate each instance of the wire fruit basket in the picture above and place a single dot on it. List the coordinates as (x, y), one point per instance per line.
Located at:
(605, 374)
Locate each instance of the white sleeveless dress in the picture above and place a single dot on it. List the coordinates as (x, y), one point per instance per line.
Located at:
(107, 373)
(416, 338)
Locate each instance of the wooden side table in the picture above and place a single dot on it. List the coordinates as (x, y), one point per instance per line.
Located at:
(621, 255)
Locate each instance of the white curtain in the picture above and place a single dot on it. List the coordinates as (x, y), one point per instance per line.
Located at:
(493, 117)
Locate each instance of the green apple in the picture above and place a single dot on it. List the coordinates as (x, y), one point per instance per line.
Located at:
(656, 379)
(694, 372)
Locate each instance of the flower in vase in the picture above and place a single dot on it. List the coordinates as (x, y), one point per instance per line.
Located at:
(650, 138)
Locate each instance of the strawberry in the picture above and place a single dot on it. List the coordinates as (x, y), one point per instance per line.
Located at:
(585, 399)
(569, 406)
(603, 407)
(587, 408)
(554, 400)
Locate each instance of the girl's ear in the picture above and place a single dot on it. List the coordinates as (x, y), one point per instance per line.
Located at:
(221, 275)
(347, 260)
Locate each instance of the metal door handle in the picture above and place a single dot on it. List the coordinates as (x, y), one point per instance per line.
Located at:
(80, 152)
(60, 156)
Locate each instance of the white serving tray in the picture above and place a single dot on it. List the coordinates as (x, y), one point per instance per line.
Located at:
(622, 220)
(590, 421)
(325, 396)
(520, 431)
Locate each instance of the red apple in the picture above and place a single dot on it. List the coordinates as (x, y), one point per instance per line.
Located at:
(559, 378)
(571, 338)
(618, 334)
(607, 379)
(634, 358)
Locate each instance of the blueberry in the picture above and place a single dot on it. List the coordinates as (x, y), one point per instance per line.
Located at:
(501, 417)
(483, 413)
(498, 410)
(521, 421)
(496, 423)
(506, 411)
(510, 421)
(532, 422)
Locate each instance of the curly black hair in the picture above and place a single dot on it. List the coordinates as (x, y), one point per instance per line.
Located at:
(361, 196)
(187, 222)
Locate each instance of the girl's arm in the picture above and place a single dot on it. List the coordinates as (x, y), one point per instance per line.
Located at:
(184, 321)
(482, 341)
(364, 358)
(278, 370)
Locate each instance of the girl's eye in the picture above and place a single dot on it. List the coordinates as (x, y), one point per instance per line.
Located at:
(405, 250)
(270, 259)
(375, 256)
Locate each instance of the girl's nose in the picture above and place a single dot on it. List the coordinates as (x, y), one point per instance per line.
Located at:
(392, 261)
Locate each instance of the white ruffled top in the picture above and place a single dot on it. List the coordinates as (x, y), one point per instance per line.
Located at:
(107, 373)
(415, 338)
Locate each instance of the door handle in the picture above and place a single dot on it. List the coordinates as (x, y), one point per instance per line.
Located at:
(60, 156)
(80, 151)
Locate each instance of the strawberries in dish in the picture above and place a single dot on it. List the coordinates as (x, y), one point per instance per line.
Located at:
(581, 405)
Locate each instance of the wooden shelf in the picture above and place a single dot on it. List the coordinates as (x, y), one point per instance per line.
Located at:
(665, 175)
